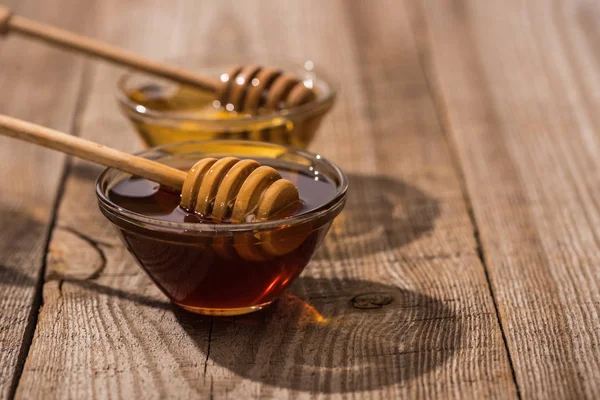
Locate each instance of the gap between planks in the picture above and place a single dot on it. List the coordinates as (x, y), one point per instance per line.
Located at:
(421, 39)
(38, 301)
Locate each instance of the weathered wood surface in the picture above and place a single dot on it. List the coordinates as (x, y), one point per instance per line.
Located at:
(105, 330)
(37, 85)
(406, 231)
(446, 107)
(519, 83)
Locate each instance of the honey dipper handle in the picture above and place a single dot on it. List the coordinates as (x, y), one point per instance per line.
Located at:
(91, 151)
(72, 41)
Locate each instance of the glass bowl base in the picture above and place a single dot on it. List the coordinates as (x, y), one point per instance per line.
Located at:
(224, 312)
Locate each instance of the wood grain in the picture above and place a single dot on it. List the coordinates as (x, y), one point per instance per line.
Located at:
(396, 303)
(518, 83)
(41, 85)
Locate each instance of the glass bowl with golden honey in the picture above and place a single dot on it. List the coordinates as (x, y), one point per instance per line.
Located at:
(164, 112)
(217, 268)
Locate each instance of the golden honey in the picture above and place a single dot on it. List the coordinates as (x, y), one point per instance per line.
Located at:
(163, 114)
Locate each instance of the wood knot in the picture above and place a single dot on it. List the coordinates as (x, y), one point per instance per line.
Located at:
(368, 301)
(5, 16)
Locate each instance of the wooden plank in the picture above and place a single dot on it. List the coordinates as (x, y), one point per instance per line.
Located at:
(406, 234)
(105, 330)
(518, 82)
(385, 133)
(40, 85)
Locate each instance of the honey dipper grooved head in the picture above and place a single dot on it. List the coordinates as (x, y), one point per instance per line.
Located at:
(191, 185)
(216, 188)
(251, 192)
(211, 184)
(280, 198)
(252, 87)
(230, 187)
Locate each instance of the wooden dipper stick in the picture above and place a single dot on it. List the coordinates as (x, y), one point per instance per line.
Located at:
(208, 181)
(14, 23)
(235, 89)
(90, 151)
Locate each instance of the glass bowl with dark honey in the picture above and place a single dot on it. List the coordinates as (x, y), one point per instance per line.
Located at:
(222, 268)
(164, 112)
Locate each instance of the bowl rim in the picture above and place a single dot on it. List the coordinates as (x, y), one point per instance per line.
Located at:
(331, 206)
(322, 104)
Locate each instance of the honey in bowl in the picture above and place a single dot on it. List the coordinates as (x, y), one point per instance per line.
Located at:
(163, 112)
(149, 198)
(230, 268)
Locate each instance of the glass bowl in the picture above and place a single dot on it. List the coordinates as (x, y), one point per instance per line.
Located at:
(164, 112)
(225, 269)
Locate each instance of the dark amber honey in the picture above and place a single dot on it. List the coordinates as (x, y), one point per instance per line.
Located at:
(226, 273)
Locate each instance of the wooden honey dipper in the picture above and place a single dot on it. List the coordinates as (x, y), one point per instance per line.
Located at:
(242, 88)
(225, 189)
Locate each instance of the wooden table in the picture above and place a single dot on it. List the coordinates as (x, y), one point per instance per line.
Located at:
(471, 134)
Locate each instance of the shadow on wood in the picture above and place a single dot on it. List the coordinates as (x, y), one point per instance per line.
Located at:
(381, 213)
(11, 276)
(333, 336)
